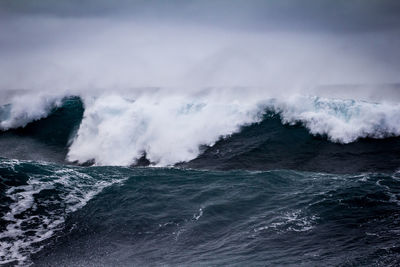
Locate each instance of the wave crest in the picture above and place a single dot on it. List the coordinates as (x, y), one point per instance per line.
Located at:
(119, 129)
(342, 121)
(27, 108)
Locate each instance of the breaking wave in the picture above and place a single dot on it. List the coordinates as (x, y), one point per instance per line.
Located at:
(120, 129)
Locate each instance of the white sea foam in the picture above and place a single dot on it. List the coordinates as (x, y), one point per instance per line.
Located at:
(116, 131)
(169, 129)
(56, 55)
(169, 126)
(26, 108)
(293, 221)
(342, 121)
(25, 228)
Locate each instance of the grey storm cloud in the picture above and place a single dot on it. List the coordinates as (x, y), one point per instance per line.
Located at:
(333, 15)
(99, 43)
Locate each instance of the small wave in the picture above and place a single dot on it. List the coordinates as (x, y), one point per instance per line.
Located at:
(39, 208)
(197, 216)
(295, 221)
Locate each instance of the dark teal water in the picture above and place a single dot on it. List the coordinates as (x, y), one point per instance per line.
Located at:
(113, 216)
(269, 195)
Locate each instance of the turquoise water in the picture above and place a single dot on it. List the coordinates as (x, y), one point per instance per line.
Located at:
(271, 194)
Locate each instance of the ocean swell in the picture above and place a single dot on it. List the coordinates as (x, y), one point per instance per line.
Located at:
(166, 129)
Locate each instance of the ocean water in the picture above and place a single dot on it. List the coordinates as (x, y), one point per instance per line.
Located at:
(119, 181)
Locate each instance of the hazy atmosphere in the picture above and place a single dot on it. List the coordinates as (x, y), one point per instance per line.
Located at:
(80, 45)
(225, 132)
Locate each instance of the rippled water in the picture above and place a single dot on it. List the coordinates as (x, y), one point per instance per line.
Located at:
(80, 216)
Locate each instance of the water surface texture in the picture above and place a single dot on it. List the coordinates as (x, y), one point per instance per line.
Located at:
(199, 133)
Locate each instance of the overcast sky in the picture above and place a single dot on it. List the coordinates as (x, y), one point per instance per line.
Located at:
(78, 43)
(339, 15)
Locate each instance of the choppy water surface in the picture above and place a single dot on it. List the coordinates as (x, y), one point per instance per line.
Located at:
(268, 194)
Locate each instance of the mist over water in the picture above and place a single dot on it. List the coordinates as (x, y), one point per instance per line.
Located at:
(147, 81)
(272, 123)
(239, 45)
